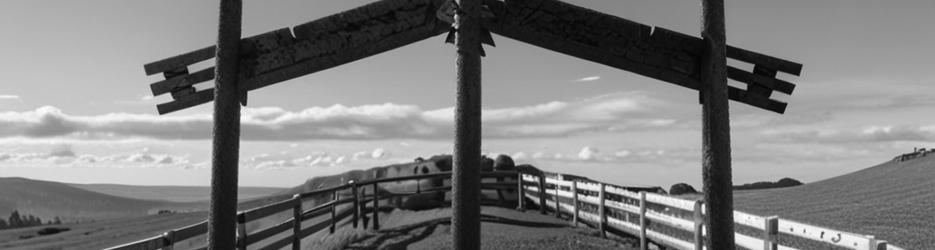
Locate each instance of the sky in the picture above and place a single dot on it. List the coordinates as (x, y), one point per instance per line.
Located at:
(75, 104)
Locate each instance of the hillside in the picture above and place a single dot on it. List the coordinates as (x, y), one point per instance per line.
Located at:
(172, 193)
(47, 199)
(892, 201)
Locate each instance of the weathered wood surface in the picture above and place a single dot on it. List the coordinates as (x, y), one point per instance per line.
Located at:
(653, 52)
(381, 26)
(317, 45)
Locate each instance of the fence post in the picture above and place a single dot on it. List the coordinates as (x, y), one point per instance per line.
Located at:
(601, 211)
(376, 208)
(541, 192)
(520, 192)
(241, 231)
(334, 199)
(363, 206)
(356, 201)
(771, 233)
(169, 240)
(875, 244)
(643, 244)
(881, 245)
(558, 207)
(297, 222)
(574, 198)
(699, 222)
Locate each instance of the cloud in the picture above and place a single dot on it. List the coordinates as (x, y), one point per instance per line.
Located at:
(588, 79)
(9, 97)
(869, 134)
(63, 156)
(613, 112)
(588, 153)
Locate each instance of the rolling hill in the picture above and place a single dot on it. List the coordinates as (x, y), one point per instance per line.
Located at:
(172, 193)
(47, 199)
(893, 201)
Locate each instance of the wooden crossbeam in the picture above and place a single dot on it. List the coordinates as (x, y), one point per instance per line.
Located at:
(653, 52)
(328, 42)
(381, 26)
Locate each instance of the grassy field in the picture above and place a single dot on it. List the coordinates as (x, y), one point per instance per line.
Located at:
(97, 234)
(893, 201)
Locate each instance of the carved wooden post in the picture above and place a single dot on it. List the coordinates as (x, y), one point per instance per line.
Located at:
(465, 219)
(296, 221)
(226, 139)
(716, 160)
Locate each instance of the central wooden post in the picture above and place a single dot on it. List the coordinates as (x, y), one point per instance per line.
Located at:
(226, 140)
(465, 204)
(716, 160)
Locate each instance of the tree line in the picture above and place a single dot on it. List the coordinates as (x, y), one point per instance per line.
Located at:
(17, 220)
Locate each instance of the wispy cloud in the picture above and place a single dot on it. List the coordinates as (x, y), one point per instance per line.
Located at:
(9, 97)
(588, 79)
(613, 112)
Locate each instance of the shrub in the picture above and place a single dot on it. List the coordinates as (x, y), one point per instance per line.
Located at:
(682, 188)
(504, 162)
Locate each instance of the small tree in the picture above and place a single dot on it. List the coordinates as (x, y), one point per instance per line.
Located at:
(15, 221)
(2, 224)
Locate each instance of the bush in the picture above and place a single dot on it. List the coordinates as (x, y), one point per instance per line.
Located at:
(52, 230)
(682, 188)
(503, 163)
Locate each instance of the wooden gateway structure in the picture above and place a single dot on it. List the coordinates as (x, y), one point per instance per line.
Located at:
(245, 64)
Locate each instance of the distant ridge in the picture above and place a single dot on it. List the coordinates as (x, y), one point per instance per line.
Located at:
(893, 201)
(172, 193)
(47, 199)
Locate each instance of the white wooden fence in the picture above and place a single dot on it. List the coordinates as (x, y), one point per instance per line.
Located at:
(577, 199)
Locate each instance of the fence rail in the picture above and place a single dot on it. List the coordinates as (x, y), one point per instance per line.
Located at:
(358, 200)
(654, 218)
(621, 210)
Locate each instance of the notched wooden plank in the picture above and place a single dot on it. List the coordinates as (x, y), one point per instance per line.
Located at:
(192, 100)
(763, 81)
(788, 67)
(166, 86)
(179, 61)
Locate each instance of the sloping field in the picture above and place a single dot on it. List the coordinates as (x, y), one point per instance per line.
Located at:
(894, 201)
(47, 199)
(97, 234)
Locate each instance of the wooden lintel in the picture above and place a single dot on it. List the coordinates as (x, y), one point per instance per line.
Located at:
(576, 31)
